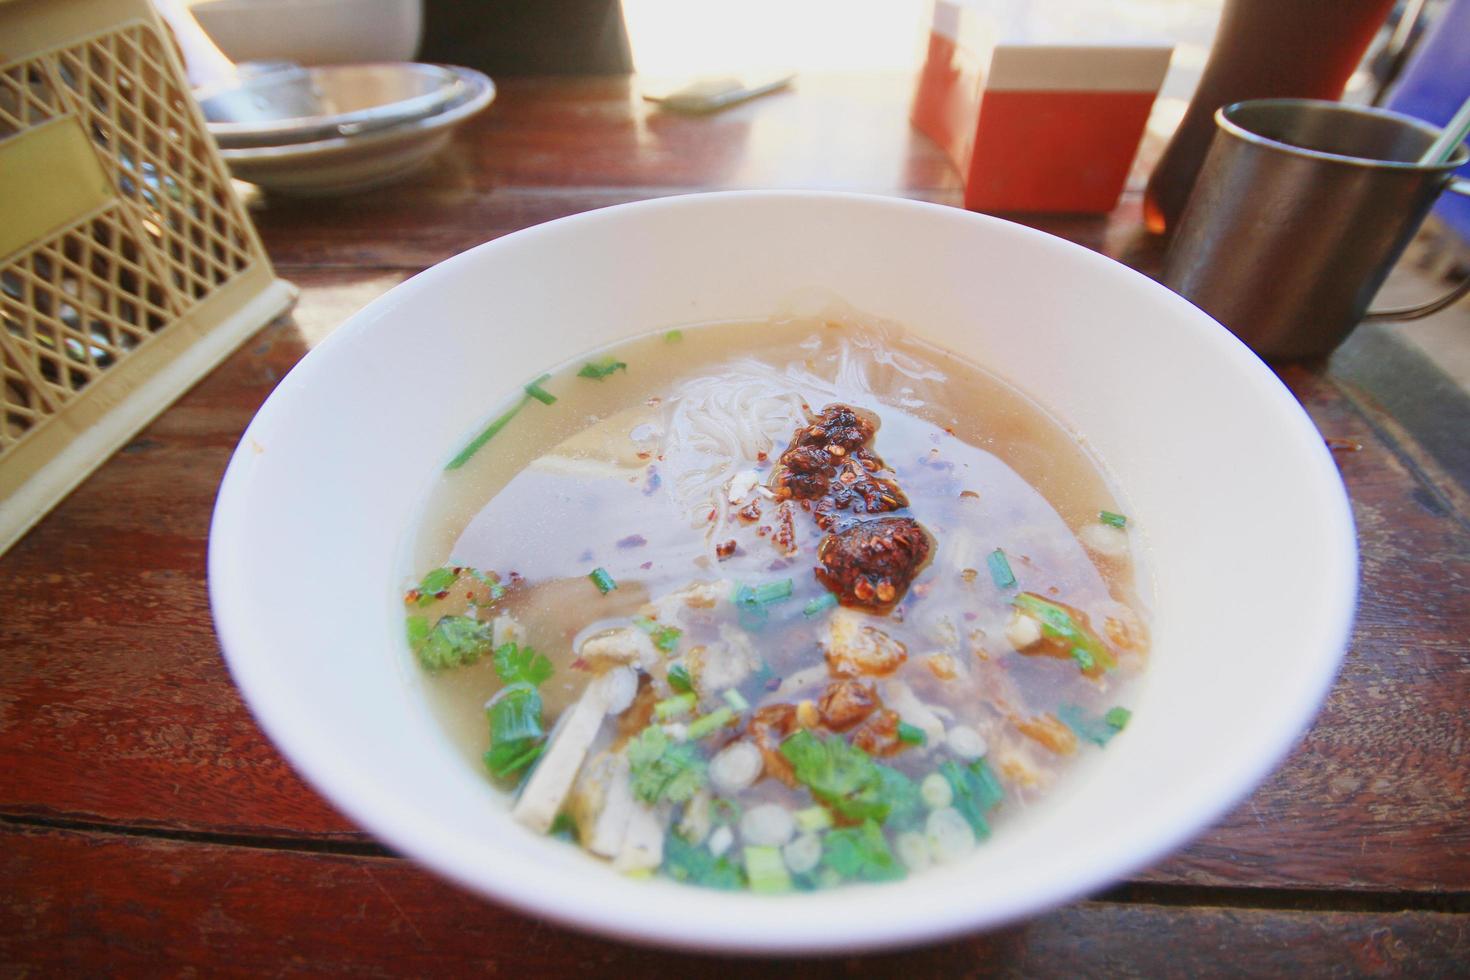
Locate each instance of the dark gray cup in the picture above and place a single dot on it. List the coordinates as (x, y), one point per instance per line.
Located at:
(1299, 213)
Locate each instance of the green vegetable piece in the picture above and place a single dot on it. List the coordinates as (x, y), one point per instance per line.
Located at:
(601, 368)
(673, 336)
(564, 827)
(905, 804)
(813, 818)
(1058, 624)
(766, 870)
(666, 638)
(1108, 517)
(680, 680)
(516, 663)
(861, 854)
(505, 759)
(708, 724)
(515, 714)
(695, 865)
(838, 774)
(1098, 731)
(539, 393)
(1084, 658)
(819, 605)
(1000, 569)
(663, 769)
(417, 629)
(455, 641)
(988, 790)
(769, 592)
(675, 707)
(736, 700)
(486, 436)
(976, 792)
(751, 614)
(912, 734)
(436, 581)
(602, 580)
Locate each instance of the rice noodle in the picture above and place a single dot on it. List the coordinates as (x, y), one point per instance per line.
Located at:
(723, 424)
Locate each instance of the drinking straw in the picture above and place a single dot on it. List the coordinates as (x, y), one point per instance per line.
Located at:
(1450, 137)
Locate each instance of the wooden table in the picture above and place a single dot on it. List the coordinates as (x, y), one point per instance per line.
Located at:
(149, 827)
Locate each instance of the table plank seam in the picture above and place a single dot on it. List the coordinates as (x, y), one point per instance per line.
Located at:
(342, 847)
(1414, 468)
(1126, 894)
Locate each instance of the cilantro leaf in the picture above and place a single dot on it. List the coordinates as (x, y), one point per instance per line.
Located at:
(861, 854)
(601, 368)
(663, 769)
(841, 776)
(516, 663)
(695, 865)
(454, 642)
(436, 581)
(417, 629)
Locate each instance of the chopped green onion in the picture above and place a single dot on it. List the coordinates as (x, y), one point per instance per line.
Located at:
(819, 605)
(1000, 569)
(766, 870)
(484, 437)
(674, 336)
(675, 707)
(666, 638)
(912, 734)
(680, 680)
(813, 818)
(1058, 624)
(1108, 517)
(601, 368)
(736, 700)
(706, 724)
(539, 393)
(602, 580)
(769, 592)
(1098, 731)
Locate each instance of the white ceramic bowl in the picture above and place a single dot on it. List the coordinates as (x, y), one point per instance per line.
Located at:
(1247, 527)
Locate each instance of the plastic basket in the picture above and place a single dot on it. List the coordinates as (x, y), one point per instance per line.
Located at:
(128, 267)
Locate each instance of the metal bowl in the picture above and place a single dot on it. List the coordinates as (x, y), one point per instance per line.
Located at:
(346, 164)
(292, 105)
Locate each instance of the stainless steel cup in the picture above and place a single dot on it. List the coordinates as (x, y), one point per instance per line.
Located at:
(1300, 211)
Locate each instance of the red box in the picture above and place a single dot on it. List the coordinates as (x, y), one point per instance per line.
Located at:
(1037, 127)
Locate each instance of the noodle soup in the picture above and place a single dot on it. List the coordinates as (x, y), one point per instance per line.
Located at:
(775, 605)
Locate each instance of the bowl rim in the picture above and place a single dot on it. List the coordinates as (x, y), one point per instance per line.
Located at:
(393, 821)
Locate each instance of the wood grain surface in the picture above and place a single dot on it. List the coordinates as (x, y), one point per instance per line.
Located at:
(146, 825)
